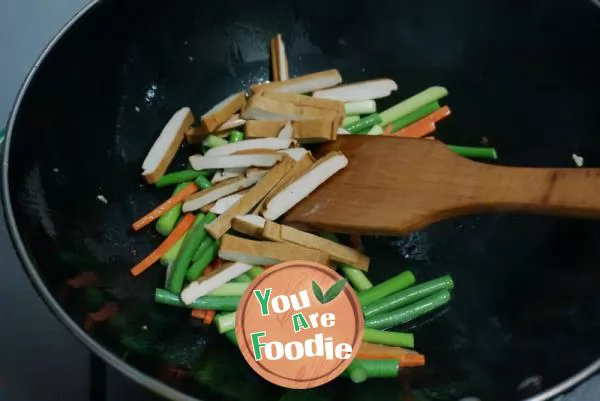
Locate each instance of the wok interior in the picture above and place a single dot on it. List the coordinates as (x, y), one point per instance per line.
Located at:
(522, 75)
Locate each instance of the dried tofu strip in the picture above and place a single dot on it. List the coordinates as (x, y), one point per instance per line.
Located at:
(221, 112)
(224, 204)
(304, 84)
(242, 250)
(315, 131)
(308, 101)
(215, 279)
(199, 162)
(163, 150)
(324, 169)
(223, 223)
(263, 128)
(337, 252)
(235, 121)
(287, 132)
(279, 62)
(258, 152)
(299, 169)
(196, 135)
(249, 224)
(263, 108)
(367, 90)
(249, 144)
(296, 153)
(227, 173)
(218, 191)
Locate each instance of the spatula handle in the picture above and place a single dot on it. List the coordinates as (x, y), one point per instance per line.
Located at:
(394, 186)
(570, 192)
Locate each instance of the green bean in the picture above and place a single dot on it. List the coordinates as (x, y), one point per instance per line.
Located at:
(179, 176)
(255, 271)
(408, 296)
(356, 372)
(396, 283)
(193, 239)
(203, 182)
(213, 141)
(209, 218)
(363, 124)
(408, 312)
(350, 119)
(236, 136)
(200, 265)
(380, 368)
(474, 152)
(360, 370)
(229, 289)
(232, 337)
(202, 248)
(227, 304)
(242, 278)
(167, 221)
(360, 107)
(171, 254)
(375, 130)
(393, 338)
(225, 322)
(413, 103)
(416, 115)
(356, 277)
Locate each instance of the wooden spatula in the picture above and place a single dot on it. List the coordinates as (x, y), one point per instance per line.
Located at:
(397, 185)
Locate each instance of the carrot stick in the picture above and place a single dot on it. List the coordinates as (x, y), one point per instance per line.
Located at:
(406, 358)
(83, 280)
(210, 315)
(178, 232)
(388, 130)
(108, 311)
(199, 313)
(165, 206)
(418, 129)
(438, 115)
(424, 126)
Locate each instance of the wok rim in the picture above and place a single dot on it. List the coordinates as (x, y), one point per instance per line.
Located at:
(91, 344)
(99, 350)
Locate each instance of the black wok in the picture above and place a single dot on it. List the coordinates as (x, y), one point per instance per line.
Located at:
(522, 74)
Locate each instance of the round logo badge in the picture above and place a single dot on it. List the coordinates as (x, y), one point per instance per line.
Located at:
(299, 324)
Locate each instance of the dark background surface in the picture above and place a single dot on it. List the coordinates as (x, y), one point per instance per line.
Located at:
(34, 346)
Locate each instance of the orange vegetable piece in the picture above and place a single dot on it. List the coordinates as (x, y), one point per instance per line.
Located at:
(178, 232)
(165, 206)
(199, 313)
(406, 358)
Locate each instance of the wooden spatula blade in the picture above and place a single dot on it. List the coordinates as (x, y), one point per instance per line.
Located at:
(396, 185)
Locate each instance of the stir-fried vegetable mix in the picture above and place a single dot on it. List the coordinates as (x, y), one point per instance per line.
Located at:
(219, 224)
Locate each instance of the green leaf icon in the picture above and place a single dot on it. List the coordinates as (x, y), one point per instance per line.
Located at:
(317, 291)
(334, 291)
